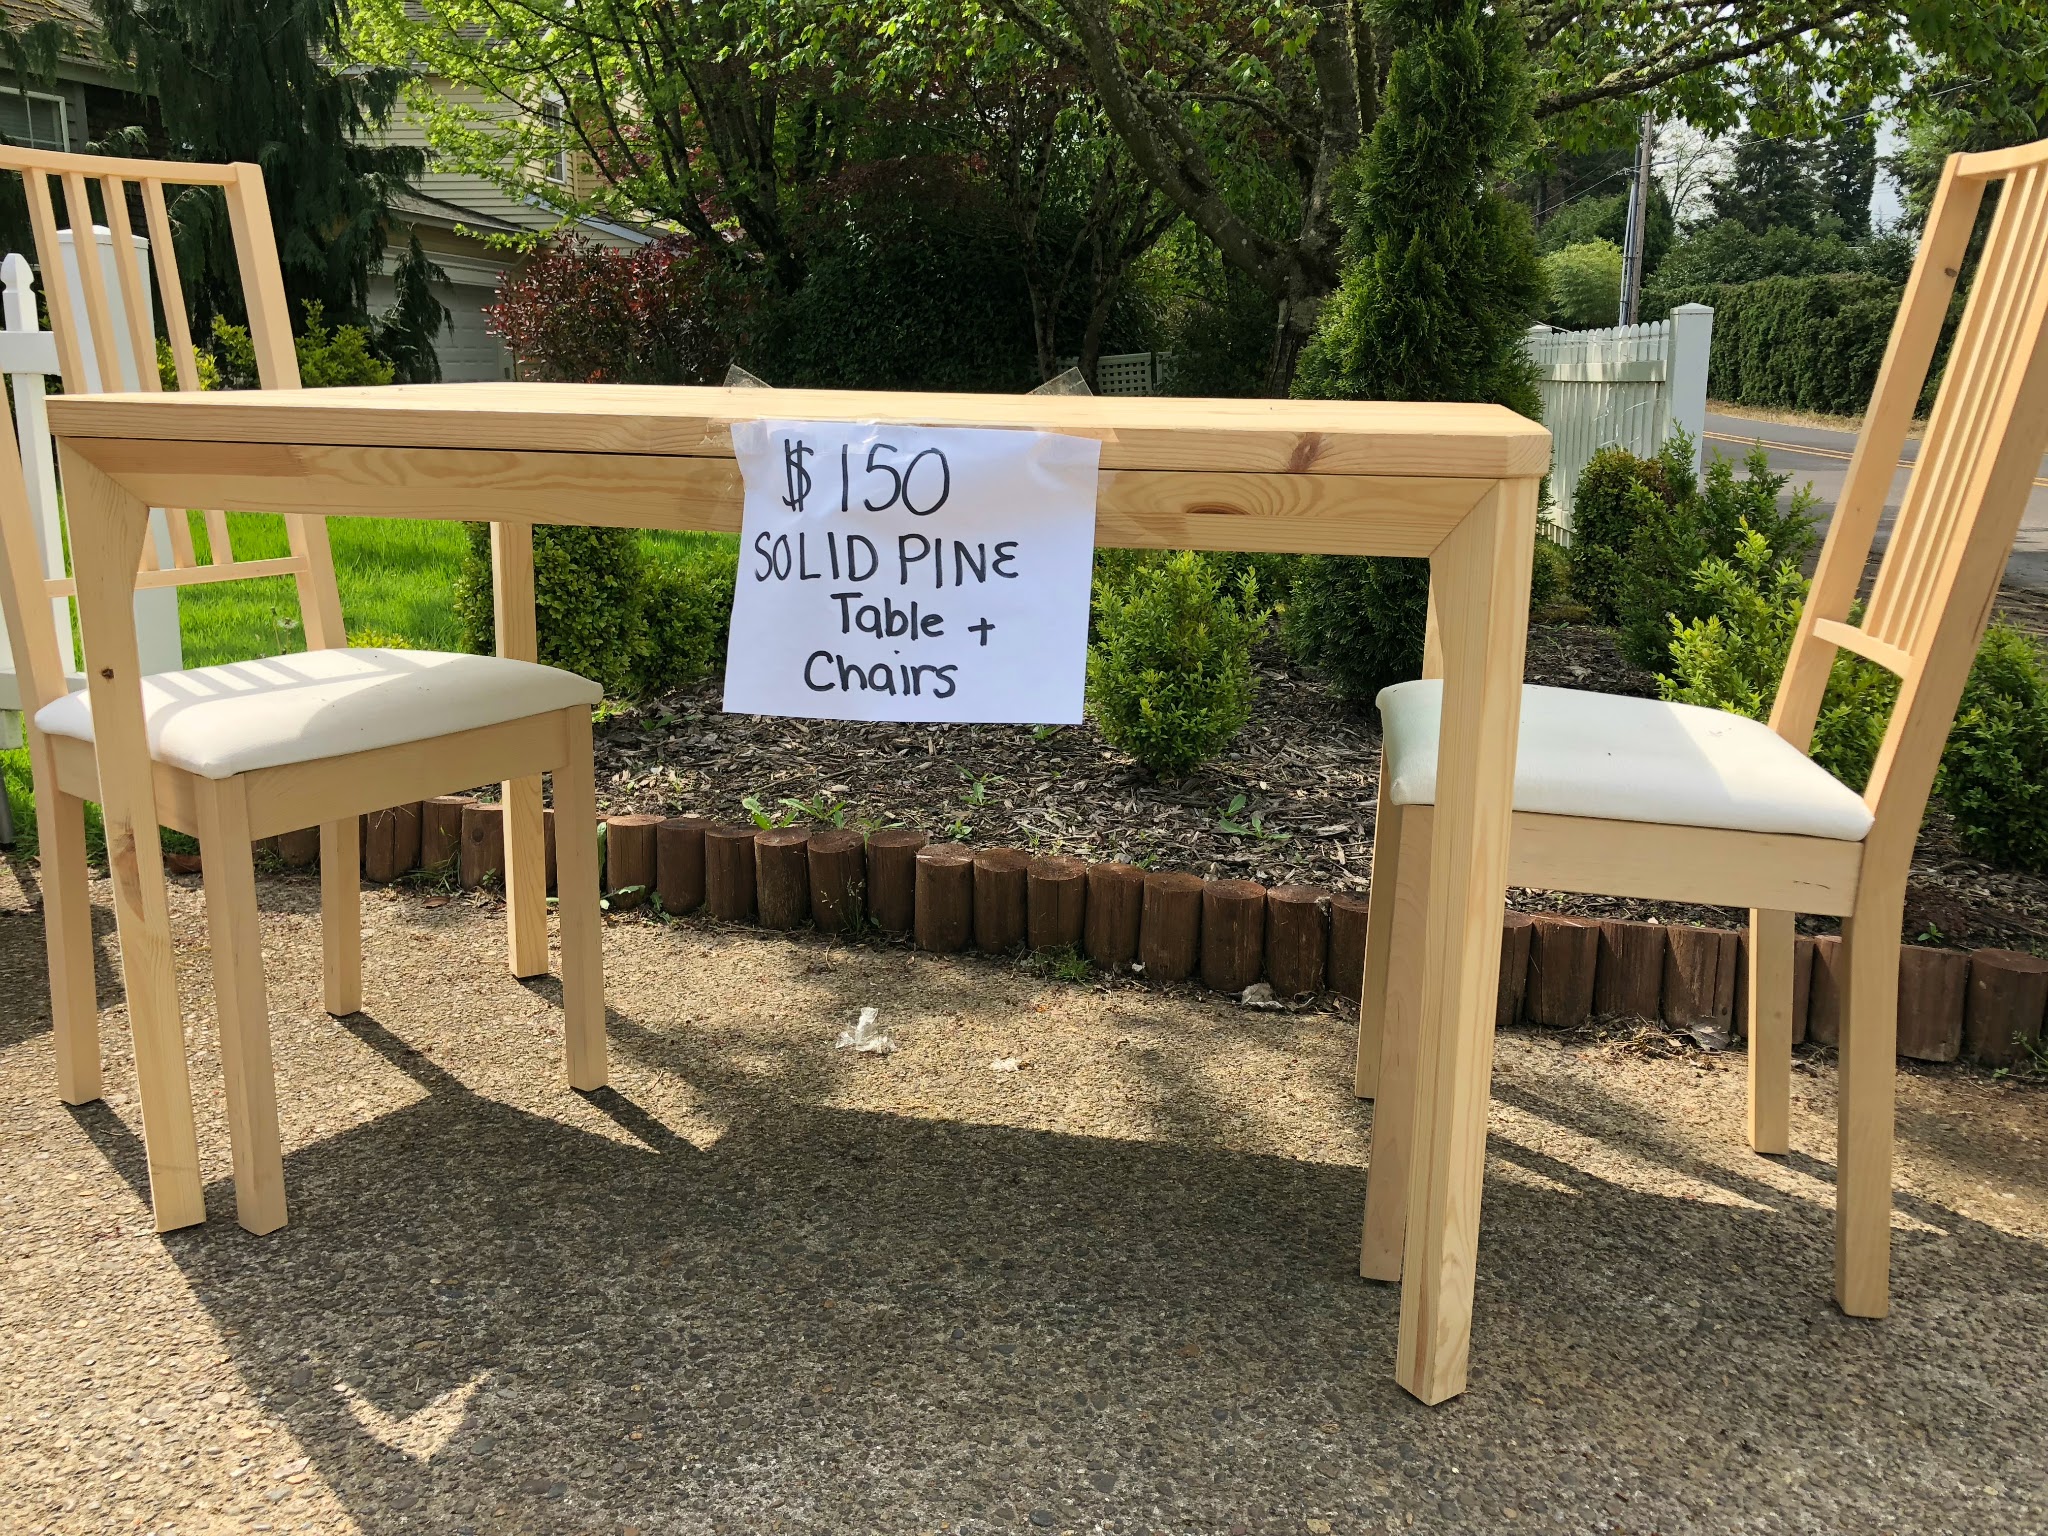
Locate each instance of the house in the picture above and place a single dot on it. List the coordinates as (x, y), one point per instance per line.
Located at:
(88, 98)
(464, 222)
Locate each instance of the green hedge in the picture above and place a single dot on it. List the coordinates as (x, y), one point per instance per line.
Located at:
(1797, 343)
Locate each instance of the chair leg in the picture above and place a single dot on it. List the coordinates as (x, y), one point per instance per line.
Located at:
(1863, 1135)
(576, 887)
(526, 879)
(1393, 1114)
(1770, 1031)
(1379, 922)
(341, 916)
(235, 935)
(67, 930)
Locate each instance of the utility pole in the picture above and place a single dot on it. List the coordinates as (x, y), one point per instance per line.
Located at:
(1638, 226)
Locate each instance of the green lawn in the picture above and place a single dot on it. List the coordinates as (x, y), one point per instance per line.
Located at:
(397, 576)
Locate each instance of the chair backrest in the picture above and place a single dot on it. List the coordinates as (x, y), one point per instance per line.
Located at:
(103, 318)
(28, 359)
(1940, 570)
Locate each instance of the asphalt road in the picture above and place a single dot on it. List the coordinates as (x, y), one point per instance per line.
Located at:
(1819, 457)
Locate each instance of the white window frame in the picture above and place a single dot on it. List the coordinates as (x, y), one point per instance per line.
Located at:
(63, 114)
(554, 112)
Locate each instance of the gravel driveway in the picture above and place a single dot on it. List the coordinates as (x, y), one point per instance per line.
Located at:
(763, 1285)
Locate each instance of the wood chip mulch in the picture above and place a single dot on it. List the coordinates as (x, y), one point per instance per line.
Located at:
(1306, 765)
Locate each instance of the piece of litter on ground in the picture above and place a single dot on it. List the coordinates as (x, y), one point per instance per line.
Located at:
(866, 1035)
(1007, 1064)
(1259, 995)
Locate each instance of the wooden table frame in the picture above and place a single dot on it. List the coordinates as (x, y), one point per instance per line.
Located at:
(1456, 484)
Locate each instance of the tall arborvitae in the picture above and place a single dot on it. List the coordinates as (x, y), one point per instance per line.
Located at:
(1443, 282)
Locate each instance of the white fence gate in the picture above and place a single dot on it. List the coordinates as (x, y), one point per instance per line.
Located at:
(1626, 386)
(28, 356)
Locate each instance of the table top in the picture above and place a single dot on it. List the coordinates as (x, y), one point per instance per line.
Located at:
(1323, 437)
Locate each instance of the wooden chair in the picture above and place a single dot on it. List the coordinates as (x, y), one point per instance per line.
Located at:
(1634, 797)
(257, 748)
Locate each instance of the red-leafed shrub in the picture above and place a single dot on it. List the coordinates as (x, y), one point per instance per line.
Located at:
(666, 313)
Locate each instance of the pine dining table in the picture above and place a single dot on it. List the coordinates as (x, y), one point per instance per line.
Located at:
(1455, 484)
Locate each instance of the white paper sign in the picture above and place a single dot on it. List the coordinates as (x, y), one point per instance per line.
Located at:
(912, 573)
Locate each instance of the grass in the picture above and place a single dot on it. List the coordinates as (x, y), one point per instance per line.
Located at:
(396, 576)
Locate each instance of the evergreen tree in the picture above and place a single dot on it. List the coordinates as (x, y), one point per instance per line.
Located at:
(1443, 282)
(1847, 174)
(1772, 182)
(260, 80)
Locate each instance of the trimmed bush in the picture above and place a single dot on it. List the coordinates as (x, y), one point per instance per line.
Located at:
(1361, 620)
(1550, 577)
(1658, 586)
(1617, 494)
(1799, 343)
(1994, 773)
(634, 623)
(329, 357)
(1170, 678)
(686, 616)
(588, 595)
(1733, 657)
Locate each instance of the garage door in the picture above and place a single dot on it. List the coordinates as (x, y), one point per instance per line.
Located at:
(467, 350)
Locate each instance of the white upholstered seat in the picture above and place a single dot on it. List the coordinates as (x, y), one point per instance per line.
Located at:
(1622, 759)
(221, 721)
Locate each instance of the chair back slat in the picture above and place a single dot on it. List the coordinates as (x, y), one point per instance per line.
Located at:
(1939, 572)
(135, 307)
(170, 286)
(103, 372)
(64, 317)
(1958, 433)
(170, 283)
(106, 340)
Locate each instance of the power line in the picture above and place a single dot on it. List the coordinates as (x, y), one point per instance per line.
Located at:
(1762, 138)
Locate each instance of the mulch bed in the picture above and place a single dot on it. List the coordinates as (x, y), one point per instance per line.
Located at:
(1306, 765)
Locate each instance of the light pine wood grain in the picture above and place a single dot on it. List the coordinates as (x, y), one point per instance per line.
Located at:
(1481, 577)
(241, 1003)
(134, 857)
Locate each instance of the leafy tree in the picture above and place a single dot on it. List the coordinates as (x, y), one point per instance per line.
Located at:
(1443, 283)
(792, 140)
(1606, 218)
(1189, 83)
(1585, 283)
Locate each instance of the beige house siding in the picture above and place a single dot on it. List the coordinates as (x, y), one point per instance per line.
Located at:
(453, 217)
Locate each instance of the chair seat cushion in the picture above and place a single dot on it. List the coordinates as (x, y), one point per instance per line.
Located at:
(221, 721)
(1622, 759)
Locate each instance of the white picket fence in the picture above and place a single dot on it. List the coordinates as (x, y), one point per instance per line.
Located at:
(1628, 386)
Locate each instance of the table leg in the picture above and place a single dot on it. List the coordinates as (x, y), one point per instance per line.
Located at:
(108, 526)
(1480, 585)
(526, 877)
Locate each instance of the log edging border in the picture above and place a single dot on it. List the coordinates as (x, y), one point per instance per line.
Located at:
(1985, 1006)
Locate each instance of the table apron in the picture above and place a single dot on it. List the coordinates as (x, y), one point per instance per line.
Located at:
(1136, 509)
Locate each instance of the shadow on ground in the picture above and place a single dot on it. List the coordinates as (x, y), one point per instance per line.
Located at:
(835, 1320)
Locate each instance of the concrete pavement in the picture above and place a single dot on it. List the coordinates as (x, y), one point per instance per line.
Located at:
(1819, 457)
